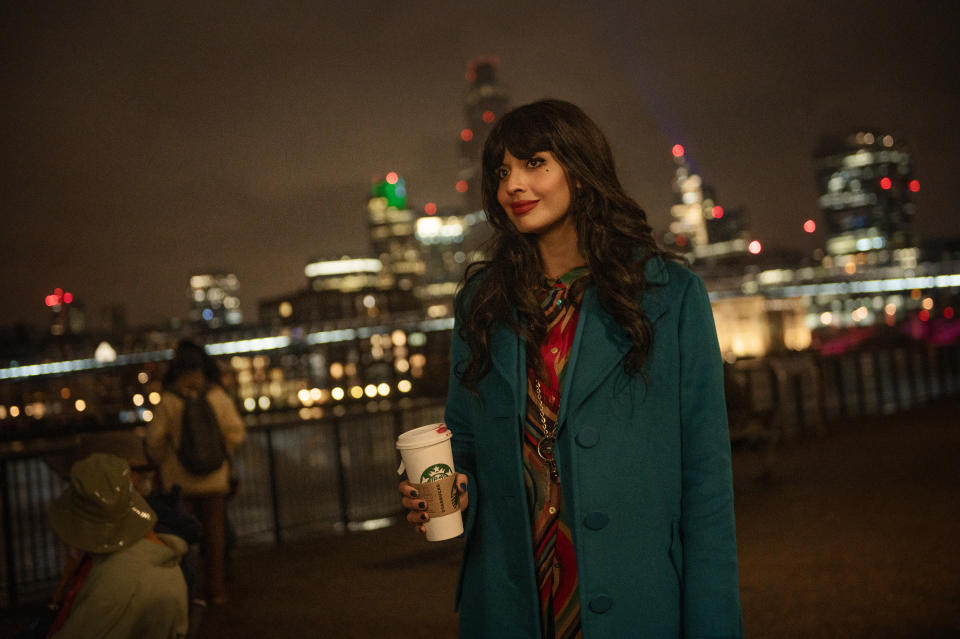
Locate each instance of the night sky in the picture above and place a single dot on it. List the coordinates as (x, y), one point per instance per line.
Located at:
(146, 140)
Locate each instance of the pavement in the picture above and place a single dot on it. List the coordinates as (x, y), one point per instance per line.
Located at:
(853, 533)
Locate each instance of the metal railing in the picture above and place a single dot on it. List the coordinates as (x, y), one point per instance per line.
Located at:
(299, 478)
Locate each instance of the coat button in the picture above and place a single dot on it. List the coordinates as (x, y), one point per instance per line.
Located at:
(596, 520)
(588, 437)
(601, 603)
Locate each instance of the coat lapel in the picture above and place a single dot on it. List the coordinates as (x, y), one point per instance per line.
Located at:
(600, 343)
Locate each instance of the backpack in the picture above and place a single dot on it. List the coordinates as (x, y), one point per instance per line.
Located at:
(202, 449)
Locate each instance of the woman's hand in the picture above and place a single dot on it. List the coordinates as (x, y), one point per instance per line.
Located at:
(417, 508)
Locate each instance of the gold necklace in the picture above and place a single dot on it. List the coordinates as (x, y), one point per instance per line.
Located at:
(547, 443)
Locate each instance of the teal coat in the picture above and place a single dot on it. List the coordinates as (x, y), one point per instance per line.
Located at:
(645, 469)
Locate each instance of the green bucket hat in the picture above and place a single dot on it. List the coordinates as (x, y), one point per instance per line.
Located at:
(100, 511)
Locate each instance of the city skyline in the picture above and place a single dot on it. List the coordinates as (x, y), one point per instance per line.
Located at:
(146, 144)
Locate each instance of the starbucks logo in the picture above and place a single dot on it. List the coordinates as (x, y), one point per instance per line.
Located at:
(436, 473)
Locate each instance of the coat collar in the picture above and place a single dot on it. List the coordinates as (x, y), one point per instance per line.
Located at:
(599, 344)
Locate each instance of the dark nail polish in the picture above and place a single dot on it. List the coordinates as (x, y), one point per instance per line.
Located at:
(421, 505)
(414, 493)
(423, 516)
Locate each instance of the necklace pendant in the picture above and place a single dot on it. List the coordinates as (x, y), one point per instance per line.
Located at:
(545, 448)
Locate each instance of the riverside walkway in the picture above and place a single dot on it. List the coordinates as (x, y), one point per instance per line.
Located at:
(854, 534)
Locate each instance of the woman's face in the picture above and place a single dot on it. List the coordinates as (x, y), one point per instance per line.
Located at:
(534, 192)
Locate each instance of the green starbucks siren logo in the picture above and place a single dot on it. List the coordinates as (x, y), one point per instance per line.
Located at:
(436, 473)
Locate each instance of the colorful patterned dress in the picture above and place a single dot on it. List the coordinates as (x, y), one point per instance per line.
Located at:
(553, 553)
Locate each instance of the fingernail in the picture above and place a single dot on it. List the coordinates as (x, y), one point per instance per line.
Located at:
(423, 516)
(463, 486)
(414, 493)
(421, 505)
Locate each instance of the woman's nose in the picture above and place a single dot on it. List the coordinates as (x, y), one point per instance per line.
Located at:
(514, 184)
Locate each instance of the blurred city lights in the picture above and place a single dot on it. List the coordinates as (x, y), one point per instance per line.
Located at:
(914, 186)
(886, 184)
(462, 186)
(717, 212)
(337, 393)
(809, 226)
(79, 405)
(392, 177)
(755, 247)
(370, 390)
(138, 400)
(677, 150)
(67, 298)
(466, 135)
(404, 386)
(948, 312)
(924, 315)
(488, 116)
(927, 303)
(826, 318)
(430, 208)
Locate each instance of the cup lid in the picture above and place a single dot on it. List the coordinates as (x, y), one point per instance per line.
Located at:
(423, 436)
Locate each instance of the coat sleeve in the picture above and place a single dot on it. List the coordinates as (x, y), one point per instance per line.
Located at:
(231, 424)
(459, 419)
(711, 597)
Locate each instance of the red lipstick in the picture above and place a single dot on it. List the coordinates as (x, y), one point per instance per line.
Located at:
(521, 207)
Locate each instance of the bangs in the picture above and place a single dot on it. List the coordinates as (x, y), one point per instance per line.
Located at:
(524, 133)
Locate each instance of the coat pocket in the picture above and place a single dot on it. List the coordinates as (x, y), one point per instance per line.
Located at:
(676, 550)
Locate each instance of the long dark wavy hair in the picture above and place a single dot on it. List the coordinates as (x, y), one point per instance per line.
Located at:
(612, 230)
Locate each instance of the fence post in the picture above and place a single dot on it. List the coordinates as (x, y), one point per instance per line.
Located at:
(274, 488)
(341, 477)
(8, 552)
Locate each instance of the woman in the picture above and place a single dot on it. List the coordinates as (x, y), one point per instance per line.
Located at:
(587, 409)
(204, 495)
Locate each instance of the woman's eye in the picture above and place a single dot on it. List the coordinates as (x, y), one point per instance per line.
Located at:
(502, 173)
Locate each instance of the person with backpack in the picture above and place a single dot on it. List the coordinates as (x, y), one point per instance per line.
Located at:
(195, 429)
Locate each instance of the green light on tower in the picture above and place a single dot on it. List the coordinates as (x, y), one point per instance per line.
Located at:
(393, 189)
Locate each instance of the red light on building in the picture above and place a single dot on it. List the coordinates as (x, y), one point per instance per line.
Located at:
(392, 177)
(51, 300)
(488, 116)
(462, 186)
(886, 184)
(914, 186)
(924, 315)
(717, 212)
(681, 240)
(755, 247)
(466, 135)
(809, 226)
(67, 297)
(677, 150)
(948, 312)
(430, 208)
(58, 292)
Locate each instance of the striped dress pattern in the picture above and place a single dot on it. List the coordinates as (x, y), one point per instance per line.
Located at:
(553, 552)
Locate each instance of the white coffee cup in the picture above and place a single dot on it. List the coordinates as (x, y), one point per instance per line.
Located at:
(428, 459)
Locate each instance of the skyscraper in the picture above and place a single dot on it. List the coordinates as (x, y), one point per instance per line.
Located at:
(486, 101)
(866, 189)
(214, 301)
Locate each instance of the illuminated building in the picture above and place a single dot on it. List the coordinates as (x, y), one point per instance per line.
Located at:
(391, 226)
(701, 228)
(448, 243)
(486, 101)
(343, 289)
(866, 189)
(67, 316)
(214, 301)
